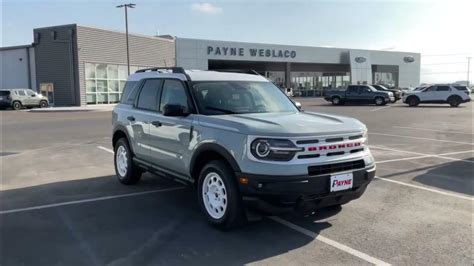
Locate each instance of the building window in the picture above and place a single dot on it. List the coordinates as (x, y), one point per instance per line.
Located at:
(105, 82)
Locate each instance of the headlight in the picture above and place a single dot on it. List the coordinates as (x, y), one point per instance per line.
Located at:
(390, 94)
(273, 149)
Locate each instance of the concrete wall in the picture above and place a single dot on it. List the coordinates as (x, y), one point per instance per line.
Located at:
(17, 67)
(195, 54)
(104, 46)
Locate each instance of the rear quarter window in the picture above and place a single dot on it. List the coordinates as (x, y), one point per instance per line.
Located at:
(130, 91)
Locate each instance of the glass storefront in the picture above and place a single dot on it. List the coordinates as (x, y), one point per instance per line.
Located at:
(104, 82)
(277, 77)
(312, 84)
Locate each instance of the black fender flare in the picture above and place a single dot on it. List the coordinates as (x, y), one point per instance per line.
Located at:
(214, 147)
(123, 130)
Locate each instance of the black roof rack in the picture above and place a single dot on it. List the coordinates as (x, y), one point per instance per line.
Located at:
(243, 71)
(176, 70)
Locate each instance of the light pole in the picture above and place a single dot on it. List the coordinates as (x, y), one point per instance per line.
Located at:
(126, 6)
(468, 69)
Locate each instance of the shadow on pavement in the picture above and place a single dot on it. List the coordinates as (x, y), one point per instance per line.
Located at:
(158, 228)
(457, 176)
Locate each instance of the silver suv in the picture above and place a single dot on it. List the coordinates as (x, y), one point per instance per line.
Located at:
(240, 141)
(19, 98)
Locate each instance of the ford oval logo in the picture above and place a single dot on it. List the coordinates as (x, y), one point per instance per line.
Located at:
(409, 59)
(360, 59)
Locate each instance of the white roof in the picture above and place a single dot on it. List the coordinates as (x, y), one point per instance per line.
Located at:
(197, 75)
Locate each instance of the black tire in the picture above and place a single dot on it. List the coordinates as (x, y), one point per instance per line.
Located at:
(336, 100)
(43, 104)
(132, 173)
(413, 101)
(380, 101)
(454, 101)
(234, 214)
(16, 105)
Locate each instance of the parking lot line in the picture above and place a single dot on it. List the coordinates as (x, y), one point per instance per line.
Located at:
(330, 242)
(426, 189)
(425, 156)
(441, 156)
(435, 130)
(39, 207)
(105, 149)
(380, 108)
(411, 137)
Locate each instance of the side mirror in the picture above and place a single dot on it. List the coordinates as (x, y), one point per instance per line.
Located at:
(174, 110)
(298, 104)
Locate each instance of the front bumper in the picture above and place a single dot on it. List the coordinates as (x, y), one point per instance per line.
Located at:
(278, 194)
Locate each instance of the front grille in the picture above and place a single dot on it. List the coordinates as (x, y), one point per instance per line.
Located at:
(335, 167)
(309, 141)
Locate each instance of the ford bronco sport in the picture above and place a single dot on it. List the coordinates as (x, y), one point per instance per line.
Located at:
(240, 141)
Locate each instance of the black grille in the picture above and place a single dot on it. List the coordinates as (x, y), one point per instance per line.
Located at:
(335, 153)
(335, 167)
(309, 141)
(334, 139)
(355, 137)
(306, 156)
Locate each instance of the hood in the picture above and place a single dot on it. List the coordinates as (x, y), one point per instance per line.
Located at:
(287, 124)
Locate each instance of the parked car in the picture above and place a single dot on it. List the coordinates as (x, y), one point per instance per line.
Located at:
(396, 93)
(359, 94)
(437, 94)
(240, 141)
(19, 98)
(464, 89)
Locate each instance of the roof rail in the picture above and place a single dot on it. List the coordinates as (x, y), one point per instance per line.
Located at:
(176, 70)
(243, 71)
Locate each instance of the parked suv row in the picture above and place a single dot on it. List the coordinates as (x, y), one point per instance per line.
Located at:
(19, 98)
(240, 141)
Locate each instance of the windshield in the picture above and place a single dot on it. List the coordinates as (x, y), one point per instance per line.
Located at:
(240, 97)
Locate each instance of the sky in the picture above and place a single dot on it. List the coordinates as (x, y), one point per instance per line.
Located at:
(442, 31)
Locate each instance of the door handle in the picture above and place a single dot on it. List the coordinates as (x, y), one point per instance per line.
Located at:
(156, 123)
(131, 118)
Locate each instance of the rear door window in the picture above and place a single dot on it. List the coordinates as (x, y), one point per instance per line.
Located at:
(148, 98)
(443, 88)
(129, 92)
(21, 92)
(353, 89)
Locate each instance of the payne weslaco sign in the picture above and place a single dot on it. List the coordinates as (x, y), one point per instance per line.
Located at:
(252, 52)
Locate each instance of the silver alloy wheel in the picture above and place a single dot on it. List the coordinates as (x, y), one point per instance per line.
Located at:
(378, 101)
(214, 195)
(121, 159)
(43, 104)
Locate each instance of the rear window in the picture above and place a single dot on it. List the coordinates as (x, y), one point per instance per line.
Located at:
(461, 88)
(4, 93)
(129, 92)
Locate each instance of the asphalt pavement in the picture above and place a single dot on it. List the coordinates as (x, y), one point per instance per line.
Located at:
(60, 203)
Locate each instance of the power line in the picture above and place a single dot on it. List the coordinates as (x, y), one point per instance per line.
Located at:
(443, 54)
(450, 63)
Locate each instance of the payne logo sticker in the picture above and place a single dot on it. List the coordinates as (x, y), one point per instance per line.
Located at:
(341, 182)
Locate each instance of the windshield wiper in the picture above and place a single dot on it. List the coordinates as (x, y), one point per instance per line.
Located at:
(220, 110)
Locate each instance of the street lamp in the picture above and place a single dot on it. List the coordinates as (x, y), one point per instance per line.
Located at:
(468, 69)
(126, 6)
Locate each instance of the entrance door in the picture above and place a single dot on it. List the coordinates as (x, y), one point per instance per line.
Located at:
(47, 90)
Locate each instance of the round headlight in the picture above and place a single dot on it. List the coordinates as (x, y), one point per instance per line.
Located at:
(262, 149)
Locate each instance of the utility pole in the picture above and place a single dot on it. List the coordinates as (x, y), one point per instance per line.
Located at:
(126, 6)
(468, 69)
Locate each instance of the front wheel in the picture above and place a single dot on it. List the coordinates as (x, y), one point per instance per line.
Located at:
(336, 100)
(126, 171)
(219, 196)
(43, 104)
(413, 101)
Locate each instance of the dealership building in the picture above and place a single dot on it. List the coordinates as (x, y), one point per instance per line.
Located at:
(77, 65)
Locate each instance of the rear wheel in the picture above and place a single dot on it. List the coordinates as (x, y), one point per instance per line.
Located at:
(380, 101)
(126, 171)
(413, 101)
(17, 105)
(336, 100)
(219, 196)
(454, 101)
